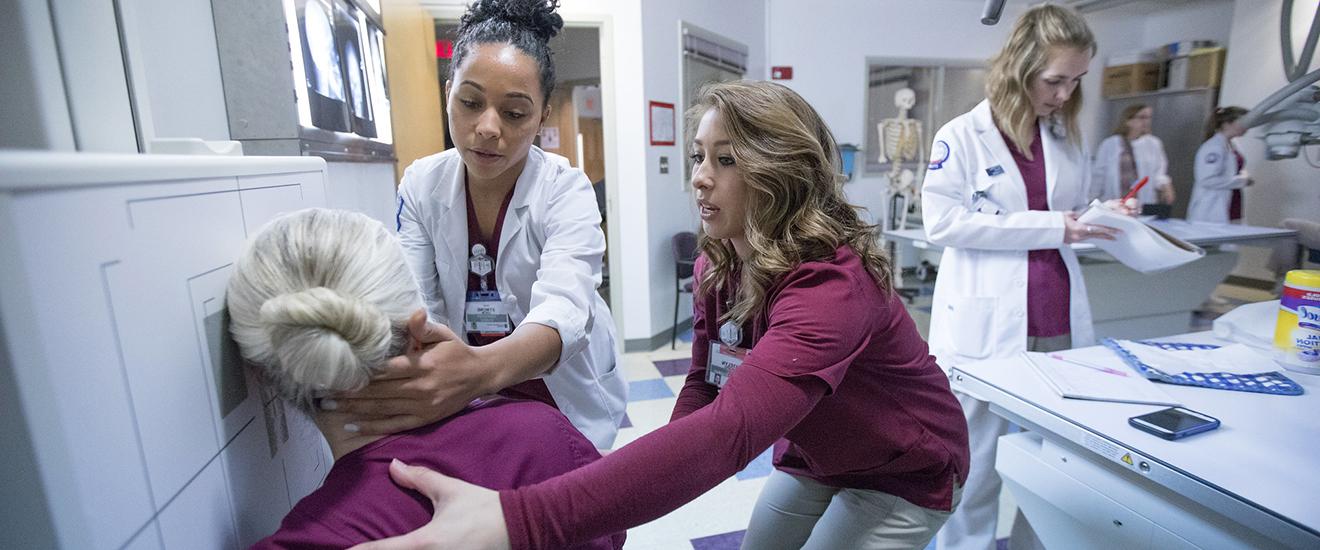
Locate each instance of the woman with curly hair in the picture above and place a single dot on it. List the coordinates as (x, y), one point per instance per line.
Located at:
(800, 343)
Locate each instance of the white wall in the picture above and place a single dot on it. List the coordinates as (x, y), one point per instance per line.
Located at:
(174, 47)
(35, 109)
(1199, 20)
(1254, 69)
(828, 43)
(94, 76)
(1116, 30)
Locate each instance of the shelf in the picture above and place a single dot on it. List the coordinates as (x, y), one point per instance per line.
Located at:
(1160, 92)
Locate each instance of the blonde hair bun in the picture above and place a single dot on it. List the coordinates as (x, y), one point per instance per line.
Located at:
(326, 340)
(320, 300)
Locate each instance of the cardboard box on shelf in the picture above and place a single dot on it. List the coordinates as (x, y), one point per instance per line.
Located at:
(1205, 68)
(1130, 79)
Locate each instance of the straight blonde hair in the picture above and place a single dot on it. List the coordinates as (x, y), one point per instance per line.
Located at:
(320, 300)
(796, 211)
(1008, 86)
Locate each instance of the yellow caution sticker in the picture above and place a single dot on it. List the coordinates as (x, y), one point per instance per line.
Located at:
(1127, 458)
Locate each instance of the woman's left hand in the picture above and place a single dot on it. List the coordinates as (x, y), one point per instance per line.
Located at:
(1075, 231)
(1167, 194)
(439, 375)
(466, 516)
(1128, 207)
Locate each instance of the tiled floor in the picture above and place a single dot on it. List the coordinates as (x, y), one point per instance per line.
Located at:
(716, 520)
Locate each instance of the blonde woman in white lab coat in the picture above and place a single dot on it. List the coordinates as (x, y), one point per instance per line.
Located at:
(1129, 154)
(1220, 176)
(505, 242)
(1001, 194)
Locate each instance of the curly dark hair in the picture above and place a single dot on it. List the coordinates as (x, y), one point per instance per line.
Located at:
(527, 24)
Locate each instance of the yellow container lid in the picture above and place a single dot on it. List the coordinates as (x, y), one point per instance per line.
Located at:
(1303, 277)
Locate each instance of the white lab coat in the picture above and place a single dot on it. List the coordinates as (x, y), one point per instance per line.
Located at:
(1147, 154)
(548, 268)
(979, 309)
(1216, 177)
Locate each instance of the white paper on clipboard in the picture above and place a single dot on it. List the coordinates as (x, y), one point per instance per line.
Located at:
(1139, 246)
(1073, 381)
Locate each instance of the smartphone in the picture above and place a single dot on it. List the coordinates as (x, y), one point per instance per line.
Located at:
(1160, 211)
(1174, 423)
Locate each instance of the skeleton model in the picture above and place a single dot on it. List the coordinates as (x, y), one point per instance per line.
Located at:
(901, 141)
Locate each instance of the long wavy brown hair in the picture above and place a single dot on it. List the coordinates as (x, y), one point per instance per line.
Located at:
(1023, 57)
(796, 211)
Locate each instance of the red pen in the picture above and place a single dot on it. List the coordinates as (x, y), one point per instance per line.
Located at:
(1135, 188)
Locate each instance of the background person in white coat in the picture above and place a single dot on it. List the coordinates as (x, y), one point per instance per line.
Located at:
(505, 242)
(1129, 154)
(1220, 175)
(1000, 195)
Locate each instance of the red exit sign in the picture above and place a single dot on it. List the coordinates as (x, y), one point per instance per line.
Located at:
(781, 73)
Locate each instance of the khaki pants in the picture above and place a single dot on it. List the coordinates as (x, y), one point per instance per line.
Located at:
(794, 512)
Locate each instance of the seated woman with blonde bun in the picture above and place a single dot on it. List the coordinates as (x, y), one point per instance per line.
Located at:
(318, 302)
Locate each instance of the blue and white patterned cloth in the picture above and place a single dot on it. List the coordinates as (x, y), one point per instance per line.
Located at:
(1272, 382)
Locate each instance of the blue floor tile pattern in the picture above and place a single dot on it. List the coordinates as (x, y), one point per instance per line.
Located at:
(758, 467)
(673, 367)
(723, 541)
(645, 390)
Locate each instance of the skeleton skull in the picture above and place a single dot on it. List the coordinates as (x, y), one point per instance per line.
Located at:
(905, 99)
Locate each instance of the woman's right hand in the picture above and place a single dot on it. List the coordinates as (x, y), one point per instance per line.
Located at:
(1075, 231)
(466, 516)
(436, 378)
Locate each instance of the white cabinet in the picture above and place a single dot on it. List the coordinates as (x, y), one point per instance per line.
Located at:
(133, 404)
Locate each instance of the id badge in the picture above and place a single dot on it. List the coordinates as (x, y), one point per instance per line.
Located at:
(486, 314)
(721, 361)
(981, 202)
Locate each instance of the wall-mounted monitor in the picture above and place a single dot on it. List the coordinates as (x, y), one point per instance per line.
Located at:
(323, 75)
(332, 59)
(351, 32)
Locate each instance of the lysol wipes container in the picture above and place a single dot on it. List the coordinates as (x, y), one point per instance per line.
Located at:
(1297, 333)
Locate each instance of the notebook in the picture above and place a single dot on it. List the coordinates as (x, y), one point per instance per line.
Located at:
(1139, 246)
(1074, 380)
